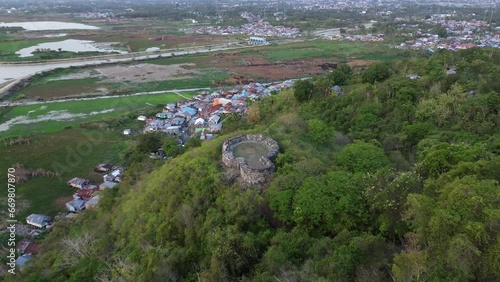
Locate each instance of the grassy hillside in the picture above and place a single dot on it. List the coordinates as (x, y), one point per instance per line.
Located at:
(395, 178)
(70, 153)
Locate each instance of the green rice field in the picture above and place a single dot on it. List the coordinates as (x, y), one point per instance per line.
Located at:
(53, 117)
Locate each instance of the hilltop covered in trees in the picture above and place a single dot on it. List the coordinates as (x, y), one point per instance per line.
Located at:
(394, 178)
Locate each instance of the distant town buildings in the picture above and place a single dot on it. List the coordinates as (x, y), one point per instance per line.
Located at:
(359, 37)
(255, 27)
(455, 34)
(251, 29)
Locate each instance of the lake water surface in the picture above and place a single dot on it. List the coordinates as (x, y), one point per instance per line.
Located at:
(35, 26)
(71, 45)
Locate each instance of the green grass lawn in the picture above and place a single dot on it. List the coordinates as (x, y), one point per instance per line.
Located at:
(340, 50)
(136, 44)
(71, 153)
(326, 48)
(120, 106)
(8, 49)
(130, 33)
(59, 88)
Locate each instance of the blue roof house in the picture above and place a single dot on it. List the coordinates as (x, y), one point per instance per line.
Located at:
(188, 111)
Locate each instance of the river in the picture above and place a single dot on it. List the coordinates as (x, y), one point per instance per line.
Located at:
(12, 72)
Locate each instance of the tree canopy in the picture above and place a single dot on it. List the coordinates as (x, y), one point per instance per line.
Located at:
(396, 179)
(376, 73)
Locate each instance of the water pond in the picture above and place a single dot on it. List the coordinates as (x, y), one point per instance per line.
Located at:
(47, 25)
(71, 45)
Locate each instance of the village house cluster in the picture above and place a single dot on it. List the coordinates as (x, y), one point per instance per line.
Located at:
(356, 37)
(255, 27)
(86, 196)
(250, 29)
(95, 15)
(26, 248)
(201, 117)
(460, 35)
(331, 5)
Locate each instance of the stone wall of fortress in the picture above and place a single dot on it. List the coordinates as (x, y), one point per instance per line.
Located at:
(249, 174)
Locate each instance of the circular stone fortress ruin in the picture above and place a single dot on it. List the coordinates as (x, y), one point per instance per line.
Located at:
(252, 155)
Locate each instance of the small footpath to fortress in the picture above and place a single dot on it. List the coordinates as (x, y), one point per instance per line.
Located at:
(252, 155)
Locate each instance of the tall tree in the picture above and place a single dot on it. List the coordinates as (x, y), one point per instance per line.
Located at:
(361, 157)
(376, 73)
(304, 90)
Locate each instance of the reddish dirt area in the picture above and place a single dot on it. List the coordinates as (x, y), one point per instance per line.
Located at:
(260, 68)
(272, 72)
(359, 63)
(234, 79)
(255, 66)
(182, 39)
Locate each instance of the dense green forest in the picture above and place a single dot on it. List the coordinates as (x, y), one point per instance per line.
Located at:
(392, 179)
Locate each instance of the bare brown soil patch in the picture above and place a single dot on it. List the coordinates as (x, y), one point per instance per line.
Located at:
(269, 72)
(61, 201)
(182, 39)
(145, 72)
(227, 54)
(360, 63)
(254, 65)
(259, 67)
(235, 79)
